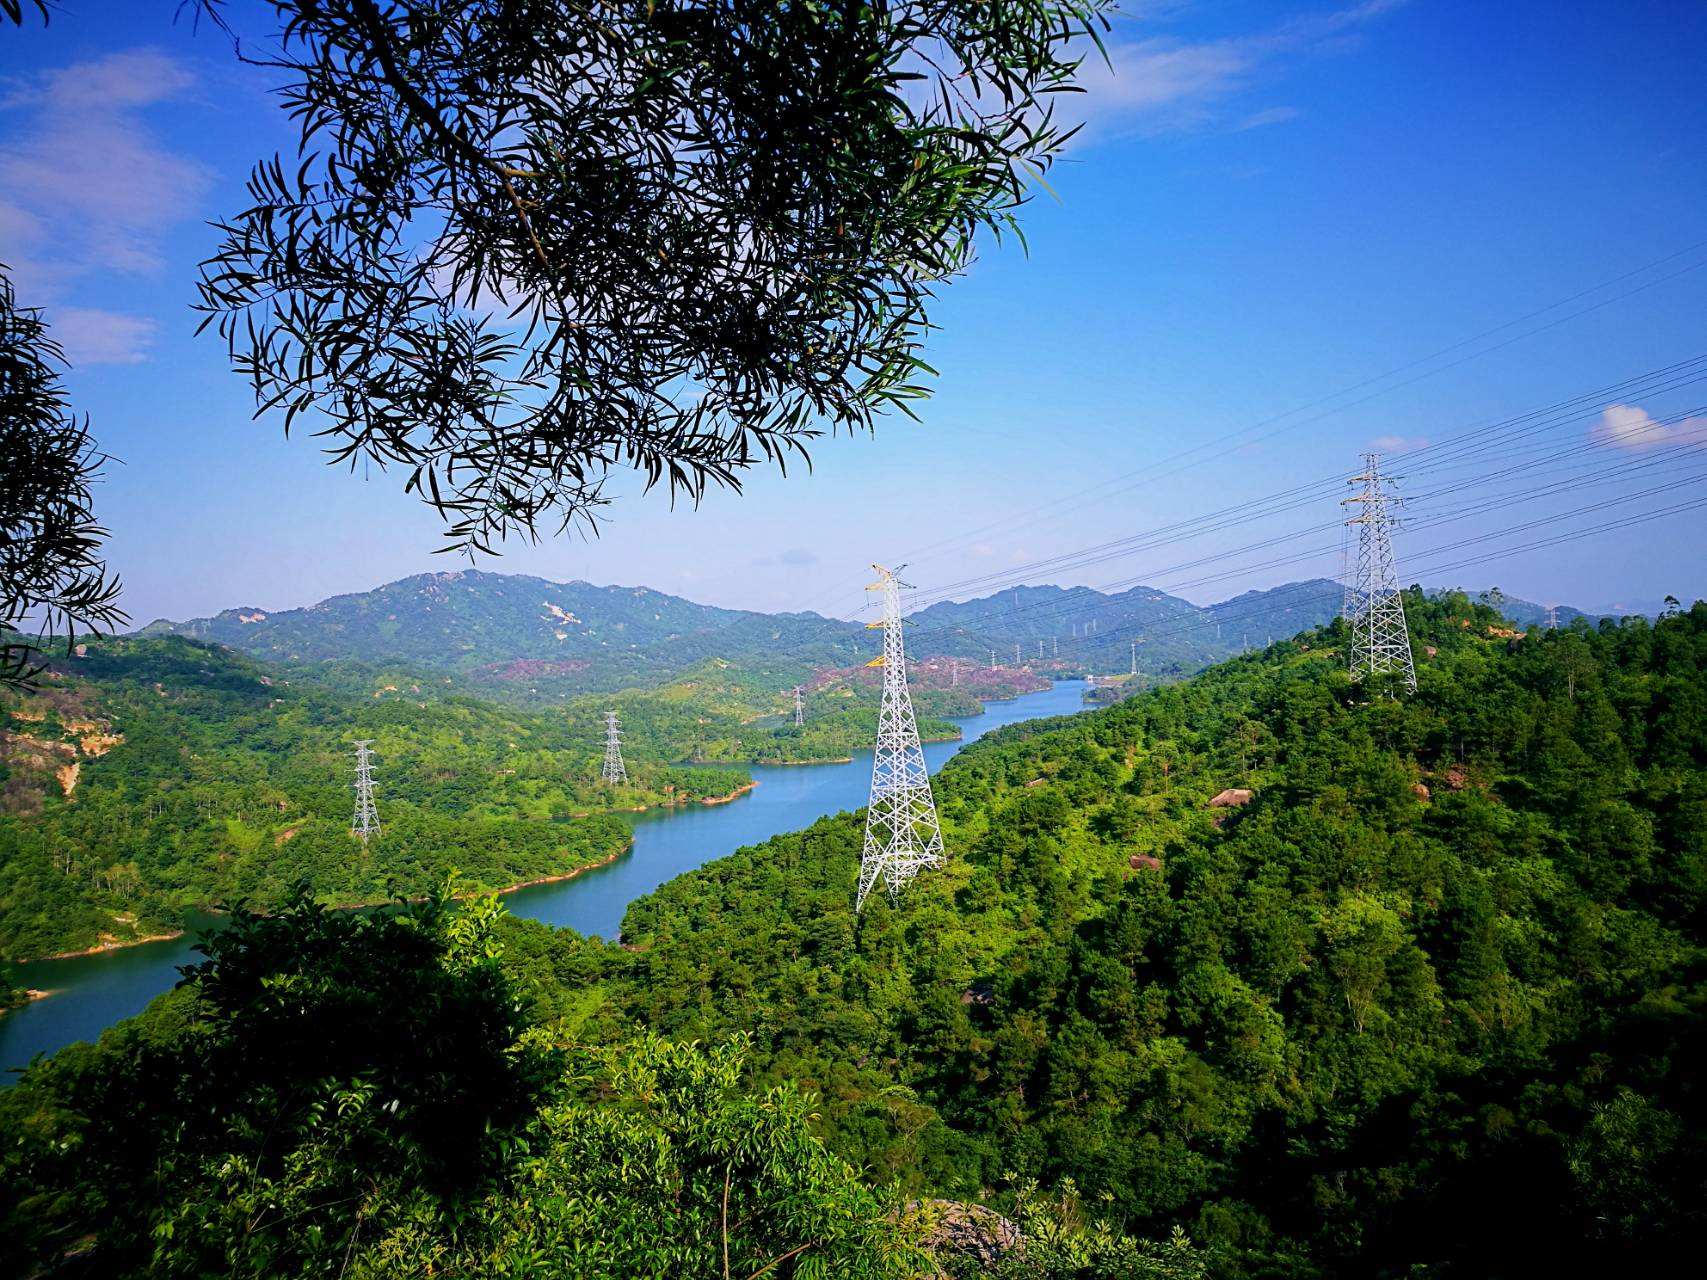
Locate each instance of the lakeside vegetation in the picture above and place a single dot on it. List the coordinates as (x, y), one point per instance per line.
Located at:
(152, 777)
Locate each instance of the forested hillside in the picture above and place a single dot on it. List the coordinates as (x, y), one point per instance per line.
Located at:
(150, 776)
(1433, 996)
(1337, 981)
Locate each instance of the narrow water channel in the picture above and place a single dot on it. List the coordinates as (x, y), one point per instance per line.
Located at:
(93, 992)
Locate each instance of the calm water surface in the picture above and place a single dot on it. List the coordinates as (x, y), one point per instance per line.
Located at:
(93, 992)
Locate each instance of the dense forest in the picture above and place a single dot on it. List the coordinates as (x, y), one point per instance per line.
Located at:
(1432, 996)
(1332, 980)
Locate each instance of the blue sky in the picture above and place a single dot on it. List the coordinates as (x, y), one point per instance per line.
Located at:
(1269, 204)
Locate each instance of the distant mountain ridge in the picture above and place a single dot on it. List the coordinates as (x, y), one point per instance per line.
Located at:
(526, 639)
(585, 637)
(1091, 630)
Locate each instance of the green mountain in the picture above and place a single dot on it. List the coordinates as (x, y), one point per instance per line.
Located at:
(509, 632)
(532, 642)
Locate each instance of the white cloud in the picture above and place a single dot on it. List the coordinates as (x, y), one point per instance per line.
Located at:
(91, 336)
(78, 156)
(1267, 116)
(1397, 444)
(789, 558)
(1164, 84)
(1625, 426)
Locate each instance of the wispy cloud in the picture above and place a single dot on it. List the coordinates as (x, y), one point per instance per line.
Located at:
(87, 188)
(1166, 84)
(1268, 116)
(92, 336)
(1397, 444)
(1625, 426)
(792, 558)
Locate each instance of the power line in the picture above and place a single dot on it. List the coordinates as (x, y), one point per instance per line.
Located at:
(1480, 438)
(1150, 474)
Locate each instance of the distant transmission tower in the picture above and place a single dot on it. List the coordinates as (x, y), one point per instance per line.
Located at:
(614, 771)
(1380, 643)
(1552, 617)
(366, 821)
(954, 671)
(799, 708)
(902, 835)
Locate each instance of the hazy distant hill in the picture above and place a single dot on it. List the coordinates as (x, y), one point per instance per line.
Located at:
(1095, 631)
(1527, 613)
(505, 629)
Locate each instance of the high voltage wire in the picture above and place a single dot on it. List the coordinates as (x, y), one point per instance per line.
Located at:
(1160, 579)
(1150, 475)
(1163, 582)
(1468, 443)
(1294, 602)
(1652, 383)
(1117, 481)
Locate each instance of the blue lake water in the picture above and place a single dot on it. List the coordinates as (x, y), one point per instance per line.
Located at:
(93, 992)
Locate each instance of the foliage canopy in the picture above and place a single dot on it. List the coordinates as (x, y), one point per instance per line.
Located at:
(51, 573)
(527, 241)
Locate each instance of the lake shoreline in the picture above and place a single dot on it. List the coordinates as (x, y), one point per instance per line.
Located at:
(562, 875)
(100, 947)
(172, 935)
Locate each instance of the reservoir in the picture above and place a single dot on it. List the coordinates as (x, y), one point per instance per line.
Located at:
(92, 992)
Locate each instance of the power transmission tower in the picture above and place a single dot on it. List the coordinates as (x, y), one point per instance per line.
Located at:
(1380, 642)
(1552, 617)
(992, 659)
(1134, 657)
(366, 821)
(614, 771)
(953, 671)
(1040, 651)
(902, 835)
(799, 708)
(1016, 655)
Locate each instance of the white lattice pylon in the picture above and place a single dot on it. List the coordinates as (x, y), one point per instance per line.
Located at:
(902, 834)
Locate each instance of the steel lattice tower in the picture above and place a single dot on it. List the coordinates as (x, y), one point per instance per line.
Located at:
(366, 821)
(902, 835)
(799, 708)
(614, 771)
(1380, 642)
